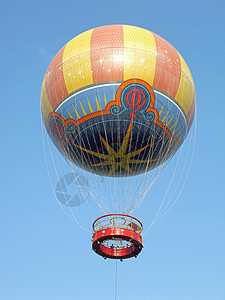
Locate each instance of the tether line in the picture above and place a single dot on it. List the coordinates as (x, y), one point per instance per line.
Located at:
(116, 282)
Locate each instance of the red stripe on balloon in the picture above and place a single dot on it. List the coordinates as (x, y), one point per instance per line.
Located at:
(54, 82)
(168, 67)
(107, 53)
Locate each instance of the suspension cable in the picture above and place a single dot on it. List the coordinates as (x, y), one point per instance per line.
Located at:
(116, 281)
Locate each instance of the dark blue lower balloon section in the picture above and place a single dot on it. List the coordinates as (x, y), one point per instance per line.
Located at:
(113, 147)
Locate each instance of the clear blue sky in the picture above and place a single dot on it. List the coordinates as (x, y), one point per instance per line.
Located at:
(43, 254)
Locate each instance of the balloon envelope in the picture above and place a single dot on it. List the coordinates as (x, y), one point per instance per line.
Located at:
(118, 101)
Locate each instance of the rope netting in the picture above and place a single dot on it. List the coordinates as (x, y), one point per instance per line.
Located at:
(102, 194)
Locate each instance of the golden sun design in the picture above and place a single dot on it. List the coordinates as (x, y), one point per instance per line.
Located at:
(118, 159)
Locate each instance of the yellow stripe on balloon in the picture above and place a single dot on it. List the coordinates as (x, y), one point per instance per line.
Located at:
(167, 124)
(186, 89)
(161, 110)
(69, 114)
(175, 130)
(77, 62)
(89, 104)
(96, 99)
(105, 100)
(163, 120)
(141, 62)
(76, 112)
(83, 110)
(173, 125)
(46, 108)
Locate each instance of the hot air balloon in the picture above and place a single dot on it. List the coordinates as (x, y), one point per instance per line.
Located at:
(118, 101)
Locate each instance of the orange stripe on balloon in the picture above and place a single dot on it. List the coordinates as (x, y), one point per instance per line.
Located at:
(45, 105)
(168, 67)
(107, 53)
(55, 83)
